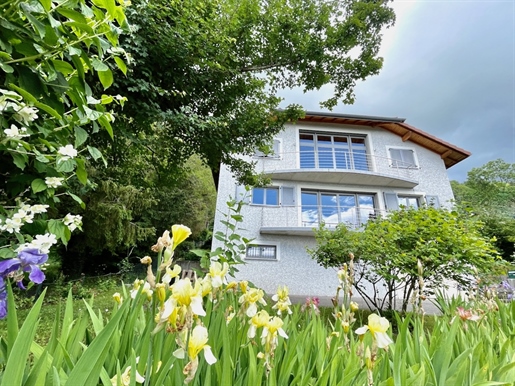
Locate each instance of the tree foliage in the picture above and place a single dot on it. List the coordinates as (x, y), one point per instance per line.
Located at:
(388, 249)
(48, 51)
(489, 194)
(205, 74)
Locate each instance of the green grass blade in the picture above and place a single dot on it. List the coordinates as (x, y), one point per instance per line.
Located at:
(13, 372)
(87, 369)
(12, 319)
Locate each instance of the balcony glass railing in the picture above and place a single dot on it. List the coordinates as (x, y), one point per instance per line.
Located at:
(337, 160)
(310, 216)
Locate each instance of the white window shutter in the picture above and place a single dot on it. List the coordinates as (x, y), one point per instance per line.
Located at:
(433, 201)
(288, 196)
(391, 201)
(276, 149)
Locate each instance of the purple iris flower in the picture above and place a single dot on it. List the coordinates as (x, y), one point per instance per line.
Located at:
(28, 260)
(3, 299)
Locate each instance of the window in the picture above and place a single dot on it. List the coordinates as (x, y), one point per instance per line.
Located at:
(262, 252)
(270, 151)
(332, 208)
(403, 158)
(408, 201)
(265, 196)
(394, 201)
(273, 196)
(327, 151)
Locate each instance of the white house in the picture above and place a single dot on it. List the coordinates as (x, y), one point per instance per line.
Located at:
(331, 168)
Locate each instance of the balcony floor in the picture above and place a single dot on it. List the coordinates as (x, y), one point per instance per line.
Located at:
(342, 176)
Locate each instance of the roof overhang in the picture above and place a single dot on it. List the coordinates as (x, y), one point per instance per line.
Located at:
(449, 153)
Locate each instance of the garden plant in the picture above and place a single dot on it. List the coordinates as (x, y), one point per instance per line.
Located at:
(210, 331)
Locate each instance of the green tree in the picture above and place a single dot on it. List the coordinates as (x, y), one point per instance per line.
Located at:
(489, 194)
(449, 247)
(205, 74)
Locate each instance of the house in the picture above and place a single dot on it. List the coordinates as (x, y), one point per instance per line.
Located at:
(331, 168)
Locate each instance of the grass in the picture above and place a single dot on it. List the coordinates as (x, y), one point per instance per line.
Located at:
(97, 292)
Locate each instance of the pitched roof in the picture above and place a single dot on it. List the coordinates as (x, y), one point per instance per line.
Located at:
(450, 154)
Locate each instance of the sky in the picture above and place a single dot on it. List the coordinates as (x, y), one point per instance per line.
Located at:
(449, 70)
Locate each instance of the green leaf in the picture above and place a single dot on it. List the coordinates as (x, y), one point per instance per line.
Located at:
(66, 166)
(106, 78)
(121, 65)
(77, 199)
(72, 15)
(14, 370)
(60, 230)
(7, 69)
(38, 185)
(95, 153)
(81, 173)
(98, 65)
(81, 136)
(87, 369)
(20, 160)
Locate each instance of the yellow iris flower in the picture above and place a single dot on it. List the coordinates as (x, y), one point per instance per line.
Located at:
(378, 327)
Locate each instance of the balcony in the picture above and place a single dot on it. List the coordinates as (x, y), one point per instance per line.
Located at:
(340, 168)
(300, 220)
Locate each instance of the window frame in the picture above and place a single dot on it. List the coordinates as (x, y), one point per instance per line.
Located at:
(265, 189)
(336, 151)
(277, 143)
(261, 255)
(360, 219)
(394, 163)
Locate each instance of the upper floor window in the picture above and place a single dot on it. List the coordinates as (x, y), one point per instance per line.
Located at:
(270, 151)
(403, 158)
(328, 151)
(333, 208)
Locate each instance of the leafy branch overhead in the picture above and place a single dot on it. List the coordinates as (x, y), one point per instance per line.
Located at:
(207, 73)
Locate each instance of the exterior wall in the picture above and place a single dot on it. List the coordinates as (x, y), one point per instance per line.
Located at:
(294, 267)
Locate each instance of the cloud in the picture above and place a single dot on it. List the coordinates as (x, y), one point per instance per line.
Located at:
(449, 69)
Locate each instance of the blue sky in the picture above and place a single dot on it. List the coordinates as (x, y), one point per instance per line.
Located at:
(449, 69)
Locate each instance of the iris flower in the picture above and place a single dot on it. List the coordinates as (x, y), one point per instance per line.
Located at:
(28, 260)
(217, 272)
(378, 327)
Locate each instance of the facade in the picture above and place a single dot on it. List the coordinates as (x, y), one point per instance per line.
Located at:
(331, 168)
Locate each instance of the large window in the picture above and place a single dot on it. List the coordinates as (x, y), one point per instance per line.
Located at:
(262, 252)
(403, 158)
(334, 208)
(326, 151)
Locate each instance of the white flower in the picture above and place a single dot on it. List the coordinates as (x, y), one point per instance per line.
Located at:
(67, 152)
(53, 182)
(15, 133)
(44, 242)
(28, 114)
(12, 225)
(72, 221)
(24, 216)
(38, 208)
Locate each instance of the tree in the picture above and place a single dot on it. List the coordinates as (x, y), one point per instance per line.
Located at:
(449, 247)
(489, 194)
(204, 74)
